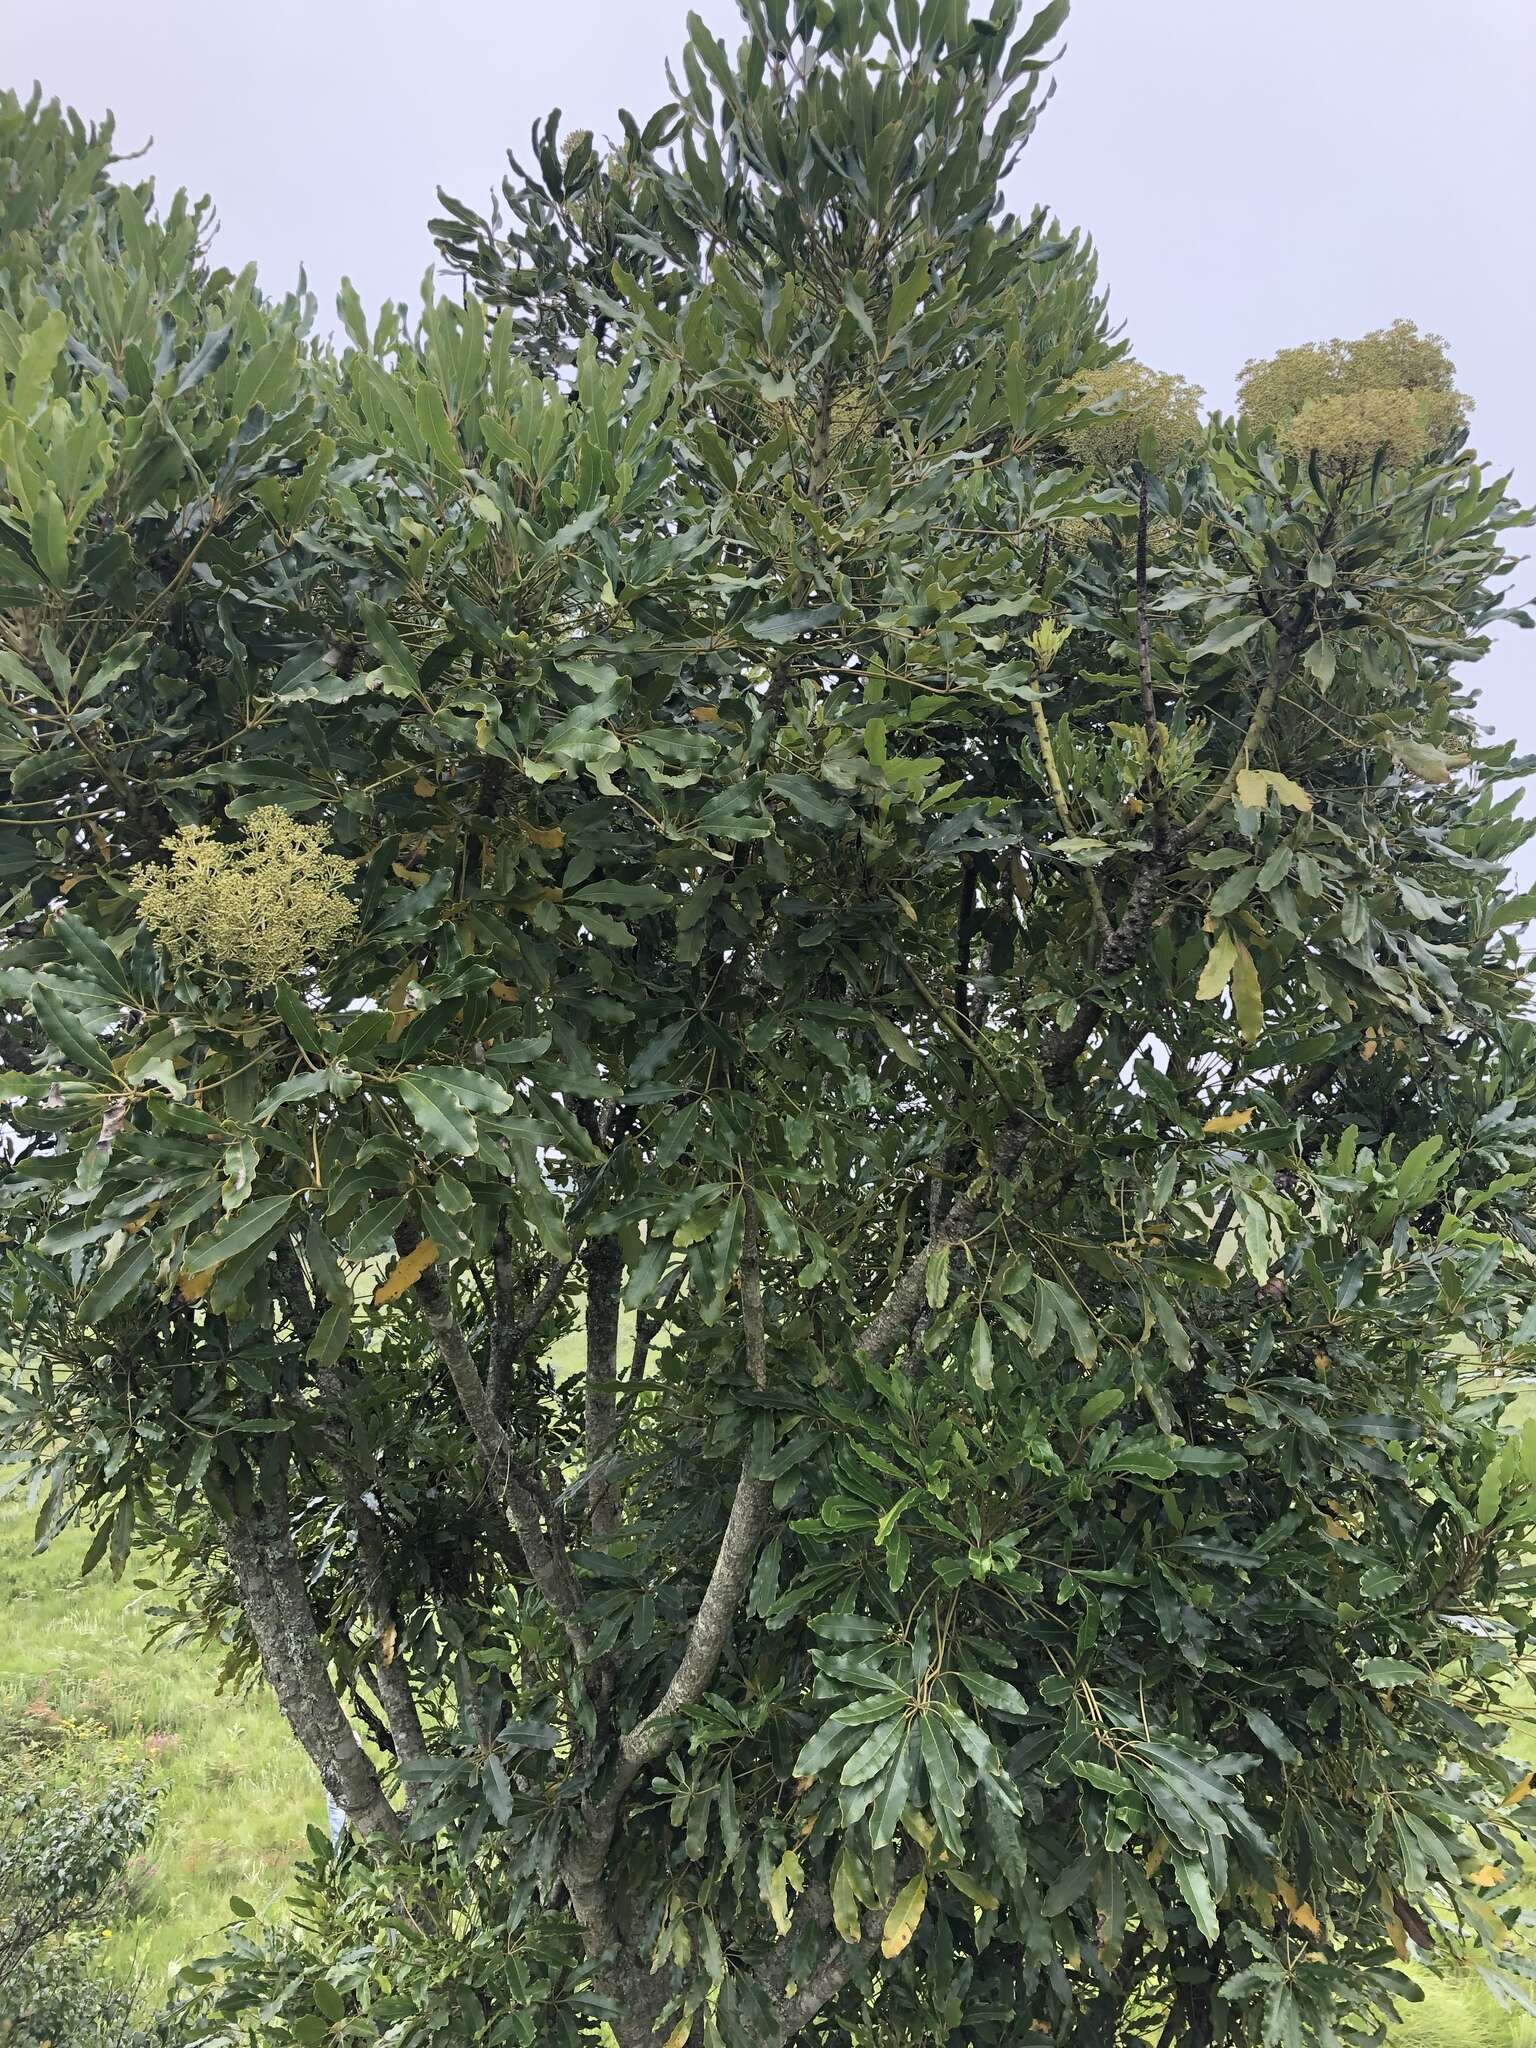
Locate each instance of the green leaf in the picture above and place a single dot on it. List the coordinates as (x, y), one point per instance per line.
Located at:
(93, 953)
(1247, 995)
(1271, 1734)
(936, 1277)
(69, 1035)
(782, 627)
(1070, 1313)
(49, 533)
(238, 1233)
(1196, 1887)
(442, 1118)
(113, 1285)
(996, 1693)
(1222, 638)
(845, 1900)
(940, 1763)
(981, 1353)
(212, 351)
(895, 1792)
(1319, 661)
(1145, 1461)
(875, 1752)
(1387, 1672)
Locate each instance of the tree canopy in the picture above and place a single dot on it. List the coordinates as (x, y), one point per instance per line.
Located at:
(771, 1095)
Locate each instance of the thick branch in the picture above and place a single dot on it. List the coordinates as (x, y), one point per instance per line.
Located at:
(391, 1675)
(605, 1274)
(1258, 725)
(277, 1607)
(830, 1977)
(733, 1562)
(516, 1492)
(513, 1333)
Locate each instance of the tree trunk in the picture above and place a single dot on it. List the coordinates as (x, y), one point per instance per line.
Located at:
(277, 1607)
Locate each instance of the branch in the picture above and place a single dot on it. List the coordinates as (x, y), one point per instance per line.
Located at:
(902, 1306)
(276, 1605)
(605, 1275)
(391, 1675)
(518, 1493)
(1064, 813)
(512, 1334)
(1149, 718)
(830, 1976)
(882, 1335)
(1258, 725)
(733, 1562)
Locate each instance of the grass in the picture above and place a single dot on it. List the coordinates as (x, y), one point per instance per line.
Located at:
(79, 1681)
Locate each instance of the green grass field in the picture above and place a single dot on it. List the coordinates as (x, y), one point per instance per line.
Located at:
(79, 1682)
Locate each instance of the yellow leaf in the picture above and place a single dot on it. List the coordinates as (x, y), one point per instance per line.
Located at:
(505, 990)
(550, 837)
(404, 1273)
(1523, 1790)
(1252, 788)
(845, 1902)
(1217, 970)
(1398, 1939)
(706, 714)
(193, 1286)
(423, 787)
(906, 1911)
(788, 1873)
(1489, 1874)
(1288, 792)
(1306, 1918)
(132, 1229)
(415, 876)
(920, 1828)
(678, 2038)
(1221, 1126)
(1247, 996)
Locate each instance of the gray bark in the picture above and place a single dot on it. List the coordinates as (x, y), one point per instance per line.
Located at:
(605, 1276)
(277, 1607)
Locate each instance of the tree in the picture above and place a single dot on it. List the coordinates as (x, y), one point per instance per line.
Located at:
(772, 1092)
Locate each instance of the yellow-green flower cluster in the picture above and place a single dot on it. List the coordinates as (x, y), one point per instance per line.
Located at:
(260, 908)
(1143, 400)
(1391, 391)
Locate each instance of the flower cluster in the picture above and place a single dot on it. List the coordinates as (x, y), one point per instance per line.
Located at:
(1391, 391)
(260, 908)
(1143, 401)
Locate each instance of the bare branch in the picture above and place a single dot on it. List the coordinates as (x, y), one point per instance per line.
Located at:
(276, 1605)
(733, 1562)
(518, 1492)
(604, 1263)
(1149, 718)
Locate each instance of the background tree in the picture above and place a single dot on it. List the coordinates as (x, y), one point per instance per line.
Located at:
(751, 794)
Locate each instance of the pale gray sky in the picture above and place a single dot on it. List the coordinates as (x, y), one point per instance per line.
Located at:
(1254, 174)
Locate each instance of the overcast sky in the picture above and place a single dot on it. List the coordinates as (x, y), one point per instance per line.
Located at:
(1255, 174)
